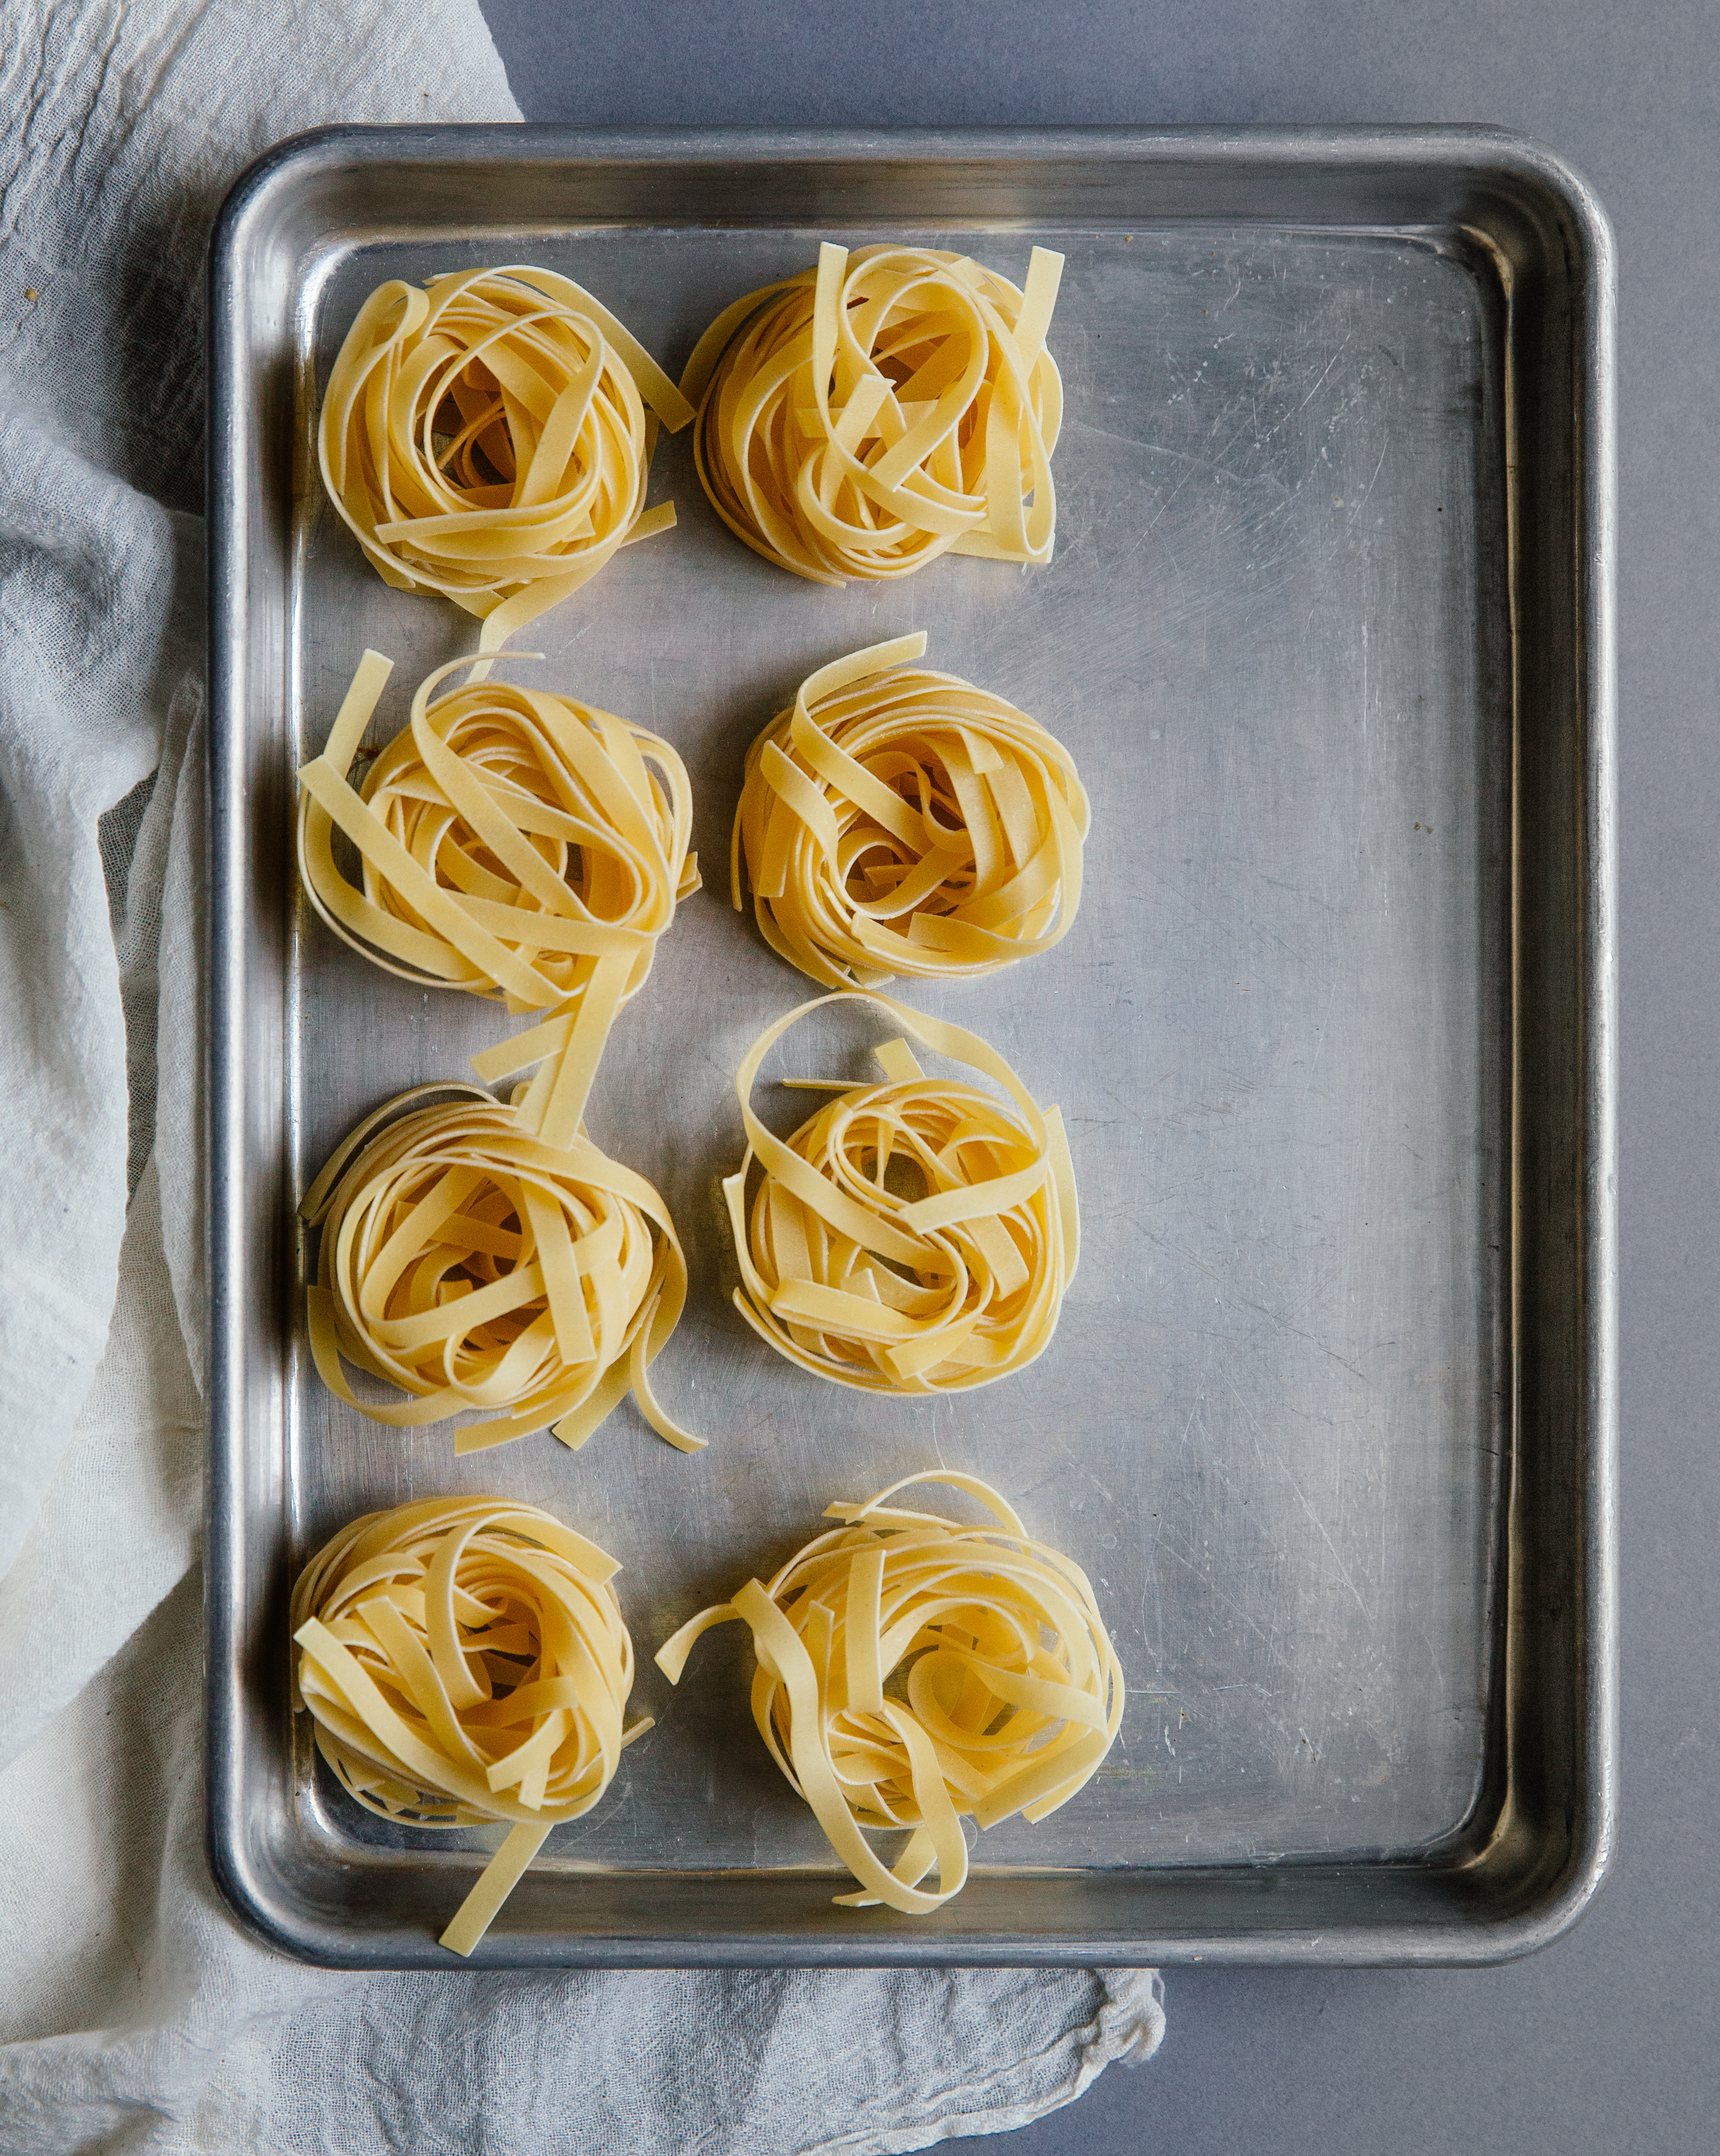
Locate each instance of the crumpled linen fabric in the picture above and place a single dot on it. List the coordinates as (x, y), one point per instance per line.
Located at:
(134, 2013)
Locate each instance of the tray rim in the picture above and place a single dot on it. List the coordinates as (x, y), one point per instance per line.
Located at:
(1550, 1906)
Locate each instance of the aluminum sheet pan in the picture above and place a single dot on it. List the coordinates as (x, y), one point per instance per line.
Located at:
(1329, 1414)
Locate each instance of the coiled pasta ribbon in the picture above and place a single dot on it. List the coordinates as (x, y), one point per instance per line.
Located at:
(915, 1236)
(985, 1718)
(473, 1266)
(513, 844)
(464, 1661)
(892, 405)
(487, 438)
(894, 821)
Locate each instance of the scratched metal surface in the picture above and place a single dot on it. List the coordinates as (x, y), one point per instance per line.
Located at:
(1270, 1421)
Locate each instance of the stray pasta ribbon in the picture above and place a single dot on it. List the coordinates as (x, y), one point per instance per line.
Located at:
(889, 406)
(464, 1662)
(893, 820)
(513, 844)
(471, 1266)
(915, 1236)
(1005, 1692)
(487, 437)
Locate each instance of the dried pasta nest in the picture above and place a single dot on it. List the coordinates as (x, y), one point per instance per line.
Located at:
(489, 437)
(513, 844)
(464, 1662)
(888, 406)
(470, 1265)
(915, 1236)
(912, 1673)
(893, 820)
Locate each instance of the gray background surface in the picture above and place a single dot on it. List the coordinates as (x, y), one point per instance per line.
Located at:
(1606, 2041)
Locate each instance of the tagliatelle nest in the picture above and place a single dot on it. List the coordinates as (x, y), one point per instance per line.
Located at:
(487, 438)
(891, 406)
(911, 1672)
(893, 820)
(915, 1236)
(513, 844)
(472, 1266)
(464, 1661)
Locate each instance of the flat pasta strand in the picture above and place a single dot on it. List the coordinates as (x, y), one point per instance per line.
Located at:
(512, 844)
(1005, 1692)
(470, 1265)
(489, 437)
(915, 1236)
(863, 417)
(464, 1662)
(896, 821)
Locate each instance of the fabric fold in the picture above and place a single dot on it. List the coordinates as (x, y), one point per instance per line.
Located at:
(85, 576)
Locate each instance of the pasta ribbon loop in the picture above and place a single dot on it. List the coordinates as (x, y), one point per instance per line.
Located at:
(889, 406)
(896, 821)
(471, 1266)
(489, 437)
(464, 1662)
(512, 844)
(1005, 1691)
(915, 1236)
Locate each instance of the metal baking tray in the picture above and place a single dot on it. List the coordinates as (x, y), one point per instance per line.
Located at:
(1330, 1413)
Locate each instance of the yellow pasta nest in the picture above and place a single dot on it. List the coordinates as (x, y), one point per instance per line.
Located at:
(893, 820)
(487, 438)
(464, 1661)
(513, 844)
(1004, 1690)
(473, 1266)
(915, 1236)
(861, 418)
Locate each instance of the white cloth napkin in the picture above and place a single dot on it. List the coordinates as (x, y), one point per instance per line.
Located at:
(134, 2014)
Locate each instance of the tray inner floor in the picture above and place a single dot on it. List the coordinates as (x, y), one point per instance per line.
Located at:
(1275, 637)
